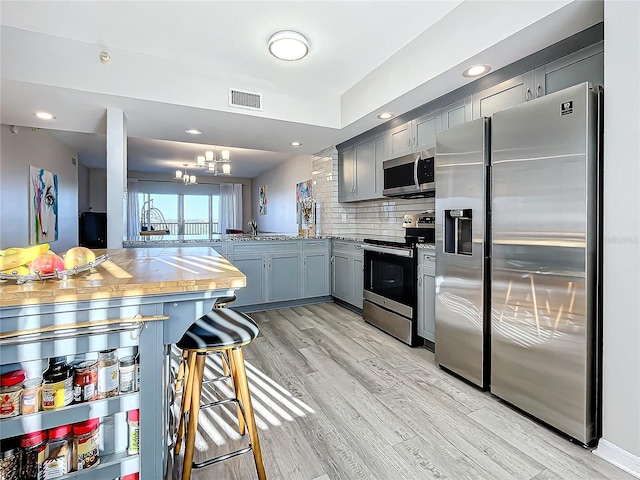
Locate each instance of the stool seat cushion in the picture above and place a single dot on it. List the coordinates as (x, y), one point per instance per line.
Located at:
(219, 328)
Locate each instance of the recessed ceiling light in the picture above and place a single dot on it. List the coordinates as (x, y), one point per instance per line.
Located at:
(295, 144)
(193, 131)
(288, 45)
(385, 115)
(44, 116)
(476, 71)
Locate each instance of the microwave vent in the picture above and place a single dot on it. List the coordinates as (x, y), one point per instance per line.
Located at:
(243, 99)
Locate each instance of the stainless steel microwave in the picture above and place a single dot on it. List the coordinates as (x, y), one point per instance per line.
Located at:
(411, 175)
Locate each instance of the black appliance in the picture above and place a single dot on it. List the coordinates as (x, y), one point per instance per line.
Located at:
(411, 175)
(390, 276)
(93, 230)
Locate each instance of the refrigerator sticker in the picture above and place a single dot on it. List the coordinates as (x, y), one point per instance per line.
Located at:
(566, 108)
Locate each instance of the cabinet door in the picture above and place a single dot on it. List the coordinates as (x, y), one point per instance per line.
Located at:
(346, 172)
(254, 268)
(380, 146)
(341, 285)
(504, 95)
(315, 267)
(365, 171)
(586, 65)
(426, 305)
(401, 140)
(358, 281)
(456, 113)
(425, 131)
(283, 276)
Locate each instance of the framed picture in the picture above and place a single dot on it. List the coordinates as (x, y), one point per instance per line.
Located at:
(43, 206)
(263, 200)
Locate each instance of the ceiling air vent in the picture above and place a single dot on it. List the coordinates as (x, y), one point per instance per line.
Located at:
(244, 99)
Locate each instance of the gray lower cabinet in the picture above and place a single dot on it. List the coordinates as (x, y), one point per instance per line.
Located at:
(283, 276)
(254, 268)
(426, 295)
(315, 267)
(346, 272)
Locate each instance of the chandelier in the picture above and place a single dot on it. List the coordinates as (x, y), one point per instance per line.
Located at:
(184, 177)
(210, 161)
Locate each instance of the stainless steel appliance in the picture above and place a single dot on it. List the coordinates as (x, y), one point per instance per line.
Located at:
(462, 250)
(410, 175)
(545, 266)
(390, 281)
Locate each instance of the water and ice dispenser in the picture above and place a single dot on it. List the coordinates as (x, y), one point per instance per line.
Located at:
(458, 231)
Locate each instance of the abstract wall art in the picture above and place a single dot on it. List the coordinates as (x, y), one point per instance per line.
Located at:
(263, 200)
(43, 208)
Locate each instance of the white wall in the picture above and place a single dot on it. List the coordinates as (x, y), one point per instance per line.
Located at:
(281, 195)
(39, 148)
(621, 337)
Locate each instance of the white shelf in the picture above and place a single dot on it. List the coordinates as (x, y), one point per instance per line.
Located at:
(111, 466)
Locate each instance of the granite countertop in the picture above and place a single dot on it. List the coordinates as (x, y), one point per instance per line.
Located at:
(229, 238)
(132, 272)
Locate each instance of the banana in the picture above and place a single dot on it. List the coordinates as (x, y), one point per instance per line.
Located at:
(21, 257)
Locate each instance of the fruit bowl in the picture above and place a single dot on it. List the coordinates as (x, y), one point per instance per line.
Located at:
(57, 274)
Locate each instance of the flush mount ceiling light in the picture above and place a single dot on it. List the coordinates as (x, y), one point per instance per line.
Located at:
(210, 161)
(105, 58)
(193, 131)
(295, 144)
(184, 177)
(386, 115)
(288, 45)
(44, 116)
(476, 71)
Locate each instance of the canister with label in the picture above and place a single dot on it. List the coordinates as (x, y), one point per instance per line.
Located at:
(11, 393)
(128, 374)
(85, 382)
(31, 396)
(108, 383)
(86, 444)
(57, 384)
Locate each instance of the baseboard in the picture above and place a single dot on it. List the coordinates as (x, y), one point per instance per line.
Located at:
(617, 456)
(301, 302)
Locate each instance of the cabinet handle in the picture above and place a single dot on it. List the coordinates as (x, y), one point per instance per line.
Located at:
(538, 90)
(269, 262)
(420, 281)
(304, 261)
(528, 95)
(358, 247)
(332, 259)
(264, 263)
(408, 142)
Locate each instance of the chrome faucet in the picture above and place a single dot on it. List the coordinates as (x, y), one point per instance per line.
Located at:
(254, 227)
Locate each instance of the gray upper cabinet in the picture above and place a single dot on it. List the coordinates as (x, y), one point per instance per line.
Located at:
(504, 95)
(456, 113)
(586, 65)
(415, 135)
(360, 170)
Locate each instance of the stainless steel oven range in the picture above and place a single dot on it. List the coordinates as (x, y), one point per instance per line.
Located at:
(390, 277)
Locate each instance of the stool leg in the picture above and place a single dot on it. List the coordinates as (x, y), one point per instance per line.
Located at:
(234, 378)
(245, 398)
(225, 362)
(186, 399)
(192, 428)
(181, 369)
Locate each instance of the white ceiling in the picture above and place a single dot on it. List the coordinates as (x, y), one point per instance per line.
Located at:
(174, 61)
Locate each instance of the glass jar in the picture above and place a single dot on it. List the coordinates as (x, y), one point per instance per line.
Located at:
(108, 373)
(85, 381)
(31, 393)
(137, 371)
(32, 453)
(127, 374)
(57, 384)
(133, 429)
(11, 393)
(86, 444)
(59, 457)
(10, 460)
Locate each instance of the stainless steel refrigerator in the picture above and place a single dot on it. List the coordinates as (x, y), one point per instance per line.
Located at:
(462, 250)
(545, 259)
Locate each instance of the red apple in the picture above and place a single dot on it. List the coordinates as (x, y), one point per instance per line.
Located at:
(46, 264)
(78, 256)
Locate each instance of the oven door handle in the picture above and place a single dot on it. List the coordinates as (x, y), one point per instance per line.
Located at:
(400, 252)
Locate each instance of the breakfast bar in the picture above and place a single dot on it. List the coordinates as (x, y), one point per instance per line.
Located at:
(140, 299)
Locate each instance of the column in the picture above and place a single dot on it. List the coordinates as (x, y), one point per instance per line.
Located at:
(116, 177)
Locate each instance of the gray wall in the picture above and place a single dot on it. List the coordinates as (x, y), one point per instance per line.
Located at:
(41, 149)
(83, 189)
(281, 195)
(621, 356)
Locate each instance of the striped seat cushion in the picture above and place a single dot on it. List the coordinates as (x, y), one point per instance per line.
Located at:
(219, 328)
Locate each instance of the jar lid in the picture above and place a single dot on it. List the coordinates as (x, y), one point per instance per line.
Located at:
(86, 427)
(84, 364)
(107, 351)
(32, 439)
(134, 415)
(32, 383)
(57, 360)
(127, 361)
(131, 476)
(59, 432)
(12, 378)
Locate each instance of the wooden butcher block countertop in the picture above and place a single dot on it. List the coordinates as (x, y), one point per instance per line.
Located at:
(132, 273)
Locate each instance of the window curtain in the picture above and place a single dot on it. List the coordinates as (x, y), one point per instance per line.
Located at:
(230, 204)
(133, 209)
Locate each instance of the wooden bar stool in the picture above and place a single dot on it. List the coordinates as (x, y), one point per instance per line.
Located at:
(221, 331)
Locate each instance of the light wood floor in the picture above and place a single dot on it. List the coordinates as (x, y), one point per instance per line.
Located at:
(338, 399)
